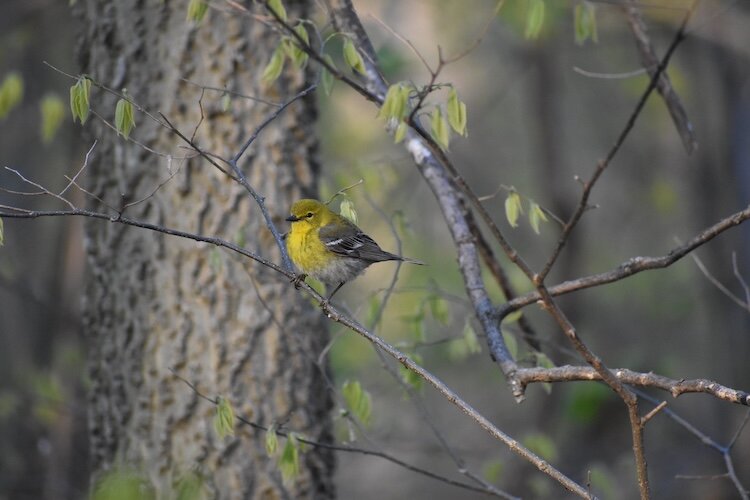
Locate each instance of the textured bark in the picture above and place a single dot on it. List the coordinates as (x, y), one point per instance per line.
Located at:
(155, 302)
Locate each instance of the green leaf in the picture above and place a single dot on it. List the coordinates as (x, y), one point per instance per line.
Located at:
(440, 131)
(11, 93)
(513, 317)
(2, 233)
(224, 418)
(226, 101)
(492, 470)
(358, 400)
(388, 108)
(542, 445)
(277, 7)
(439, 309)
(53, 113)
(585, 23)
(417, 327)
(274, 67)
(292, 46)
(511, 343)
(536, 215)
(79, 100)
(124, 121)
(122, 485)
(272, 441)
(456, 113)
(327, 77)
(535, 18)
(196, 10)
(289, 459)
(471, 339)
(411, 377)
(352, 57)
(347, 210)
(190, 487)
(513, 208)
(400, 132)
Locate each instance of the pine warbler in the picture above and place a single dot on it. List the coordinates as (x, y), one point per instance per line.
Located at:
(330, 248)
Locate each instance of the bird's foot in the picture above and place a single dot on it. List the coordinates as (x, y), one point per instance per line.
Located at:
(297, 280)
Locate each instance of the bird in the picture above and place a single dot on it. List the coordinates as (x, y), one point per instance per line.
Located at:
(329, 247)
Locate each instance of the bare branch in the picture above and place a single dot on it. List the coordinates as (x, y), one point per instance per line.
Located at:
(632, 266)
(664, 85)
(676, 388)
(344, 448)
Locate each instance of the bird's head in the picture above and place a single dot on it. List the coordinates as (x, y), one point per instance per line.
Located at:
(310, 212)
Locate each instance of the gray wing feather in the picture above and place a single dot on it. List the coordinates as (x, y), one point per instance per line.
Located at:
(352, 242)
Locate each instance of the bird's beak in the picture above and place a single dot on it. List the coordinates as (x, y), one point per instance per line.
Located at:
(292, 218)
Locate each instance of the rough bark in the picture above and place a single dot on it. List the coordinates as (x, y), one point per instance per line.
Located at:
(156, 303)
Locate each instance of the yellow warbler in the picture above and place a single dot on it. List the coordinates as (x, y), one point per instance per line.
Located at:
(330, 248)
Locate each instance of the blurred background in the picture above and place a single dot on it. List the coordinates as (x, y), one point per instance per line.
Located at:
(540, 112)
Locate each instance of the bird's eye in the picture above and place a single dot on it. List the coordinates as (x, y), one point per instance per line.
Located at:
(309, 214)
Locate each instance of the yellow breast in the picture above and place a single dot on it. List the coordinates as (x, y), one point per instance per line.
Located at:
(306, 250)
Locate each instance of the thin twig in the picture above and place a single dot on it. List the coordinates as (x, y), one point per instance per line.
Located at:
(342, 448)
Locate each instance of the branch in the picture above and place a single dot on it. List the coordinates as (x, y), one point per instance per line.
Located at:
(343, 448)
(631, 266)
(335, 315)
(603, 164)
(649, 60)
(675, 387)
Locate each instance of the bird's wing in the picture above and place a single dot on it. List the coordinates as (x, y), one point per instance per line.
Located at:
(350, 241)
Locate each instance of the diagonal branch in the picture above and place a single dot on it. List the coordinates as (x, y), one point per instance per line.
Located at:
(649, 60)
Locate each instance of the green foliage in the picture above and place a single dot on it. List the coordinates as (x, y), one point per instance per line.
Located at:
(542, 445)
(513, 208)
(396, 102)
(536, 215)
(358, 400)
(439, 129)
(585, 400)
(439, 308)
(190, 487)
(584, 20)
(492, 470)
(273, 69)
(122, 485)
(53, 113)
(327, 77)
(456, 113)
(11, 93)
(124, 120)
(347, 210)
(272, 441)
(224, 418)
(352, 57)
(196, 10)
(400, 132)
(292, 46)
(289, 459)
(278, 8)
(534, 19)
(409, 376)
(79, 99)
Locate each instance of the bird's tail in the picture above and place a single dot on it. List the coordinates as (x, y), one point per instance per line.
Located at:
(412, 261)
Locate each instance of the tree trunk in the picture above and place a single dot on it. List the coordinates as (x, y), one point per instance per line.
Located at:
(156, 303)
